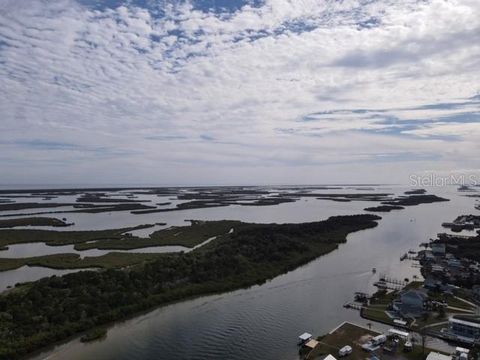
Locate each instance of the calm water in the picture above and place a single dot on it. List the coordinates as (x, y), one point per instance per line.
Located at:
(263, 322)
(26, 273)
(40, 249)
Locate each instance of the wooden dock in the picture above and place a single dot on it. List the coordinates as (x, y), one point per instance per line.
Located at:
(408, 256)
(353, 305)
(393, 281)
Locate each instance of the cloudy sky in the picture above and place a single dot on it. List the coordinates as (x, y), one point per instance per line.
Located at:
(237, 92)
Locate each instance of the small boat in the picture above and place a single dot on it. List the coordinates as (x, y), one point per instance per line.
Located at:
(374, 270)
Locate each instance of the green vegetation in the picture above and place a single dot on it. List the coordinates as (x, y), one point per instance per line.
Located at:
(119, 239)
(379, 304)
(74, 261)
(416, 192)
(53, 238)
(381, 301)
(52, 309)
(66, 191)
(33, 221)
(351, 197)
(103, 198)
(384, 208)
(24, 206)
(197, 204)
(383, 297)
(413, 200)
(94, 334)
(347, 334)
(92, 209)
(462, 247)
(377, 313)
(356, 336)
(451, 301)
(188, 236)
(79, 208)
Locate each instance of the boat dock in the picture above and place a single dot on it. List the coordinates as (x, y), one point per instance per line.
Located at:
(353, 305)
(408, 256)
(386, 282)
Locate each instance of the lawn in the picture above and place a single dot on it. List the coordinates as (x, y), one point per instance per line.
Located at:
(346, 334)
(377, 313)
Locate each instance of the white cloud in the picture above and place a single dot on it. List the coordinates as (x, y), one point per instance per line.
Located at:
(168, 96)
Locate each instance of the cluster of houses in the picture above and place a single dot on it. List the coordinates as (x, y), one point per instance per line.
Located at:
(389, 342)
(443, 270)
(446, 274)
(365, 344)
(411, 304)
(463, 222)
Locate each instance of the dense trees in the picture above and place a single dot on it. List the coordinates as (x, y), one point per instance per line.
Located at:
(54, 308)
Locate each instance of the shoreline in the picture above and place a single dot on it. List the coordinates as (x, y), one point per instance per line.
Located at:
(239, 281)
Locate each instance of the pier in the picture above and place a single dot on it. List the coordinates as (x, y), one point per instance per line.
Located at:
(408, 256)
(393, 281)
(353, 305)
(386, 282)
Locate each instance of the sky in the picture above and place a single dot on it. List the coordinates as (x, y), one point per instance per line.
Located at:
(238, 92)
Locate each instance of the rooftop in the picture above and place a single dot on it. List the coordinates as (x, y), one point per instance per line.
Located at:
(311, 344)
(473, 322)
(305, 336)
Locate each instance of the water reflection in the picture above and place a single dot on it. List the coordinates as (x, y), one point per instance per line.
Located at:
(237, 325)
(39, 249)
(27, 273)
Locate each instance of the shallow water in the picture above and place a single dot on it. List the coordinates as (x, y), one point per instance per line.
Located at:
(263, 322)
(27, 273)
(39, 249)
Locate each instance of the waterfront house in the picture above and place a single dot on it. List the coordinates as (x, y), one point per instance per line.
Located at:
(413, 297)
(455, 263)
(411, 303)
(438, 249)
(428, 256)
